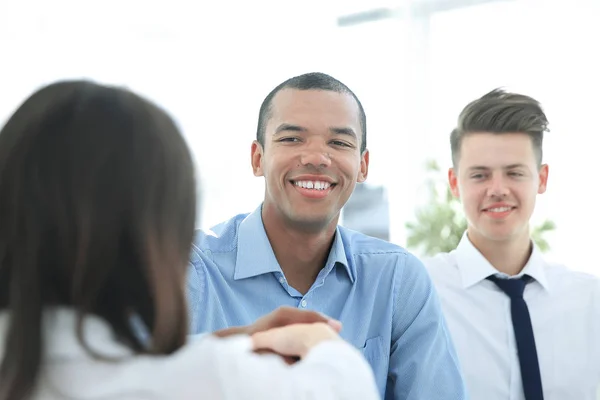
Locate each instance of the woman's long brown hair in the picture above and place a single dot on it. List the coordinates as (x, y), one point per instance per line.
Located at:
(97, 213)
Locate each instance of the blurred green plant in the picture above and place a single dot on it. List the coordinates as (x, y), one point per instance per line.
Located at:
(439, 226)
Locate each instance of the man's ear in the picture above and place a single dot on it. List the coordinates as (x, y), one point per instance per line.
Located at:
(543, 178)
(256, 158)
(453, 182)
(364, 167)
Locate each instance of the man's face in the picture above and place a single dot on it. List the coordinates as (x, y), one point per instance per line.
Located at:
(311, 159)
(497, 179)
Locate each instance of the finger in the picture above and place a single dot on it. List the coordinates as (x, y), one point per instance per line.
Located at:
(236, 330)
(289, 315)
(285, 316)
(335, 324)
(272, 340)
(263, 341)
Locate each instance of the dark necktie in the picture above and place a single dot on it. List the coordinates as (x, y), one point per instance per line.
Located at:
(530, 369)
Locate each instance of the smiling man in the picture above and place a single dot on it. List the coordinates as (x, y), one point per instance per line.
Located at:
(524, 328)
(311, 150)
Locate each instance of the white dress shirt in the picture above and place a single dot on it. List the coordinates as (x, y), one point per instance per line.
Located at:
(564, 306)
(209, 368)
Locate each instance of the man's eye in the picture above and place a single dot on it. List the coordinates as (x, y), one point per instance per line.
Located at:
(340, 143)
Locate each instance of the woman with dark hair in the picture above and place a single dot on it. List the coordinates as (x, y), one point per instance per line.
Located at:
(97, 211)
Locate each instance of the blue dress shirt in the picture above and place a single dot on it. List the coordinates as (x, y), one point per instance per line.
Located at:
(381, 293)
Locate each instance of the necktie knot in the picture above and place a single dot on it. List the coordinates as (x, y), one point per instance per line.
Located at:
(513, 288)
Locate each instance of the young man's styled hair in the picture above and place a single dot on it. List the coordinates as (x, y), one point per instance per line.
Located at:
(501, 112)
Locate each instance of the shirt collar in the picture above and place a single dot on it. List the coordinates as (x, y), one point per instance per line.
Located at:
(255, 255)
(337, 255)
(474, 267)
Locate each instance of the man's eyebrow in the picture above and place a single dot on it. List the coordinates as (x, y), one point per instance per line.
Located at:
(478, 168)
(287, 128)
(484, 168)
(344, 131)
(518, 165)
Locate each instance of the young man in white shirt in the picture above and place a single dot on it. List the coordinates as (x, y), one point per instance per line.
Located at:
(524, 328)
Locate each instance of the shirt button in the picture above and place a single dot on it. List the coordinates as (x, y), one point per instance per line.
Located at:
(281, 280)
(303, 303)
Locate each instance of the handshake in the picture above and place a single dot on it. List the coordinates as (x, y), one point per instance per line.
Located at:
(288, 332)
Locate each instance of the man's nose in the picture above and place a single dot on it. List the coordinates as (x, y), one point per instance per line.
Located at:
(498, 187)
(316, 155)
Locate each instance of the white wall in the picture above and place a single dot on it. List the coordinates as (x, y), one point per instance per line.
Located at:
(212, 63)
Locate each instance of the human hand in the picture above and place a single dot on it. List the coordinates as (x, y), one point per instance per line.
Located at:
(293, 341)
(282, 316)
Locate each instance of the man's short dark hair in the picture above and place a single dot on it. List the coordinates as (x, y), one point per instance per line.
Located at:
(501, 112)
(309, 81)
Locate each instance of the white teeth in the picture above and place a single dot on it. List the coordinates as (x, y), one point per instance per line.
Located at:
(315, 185)
(500, 209)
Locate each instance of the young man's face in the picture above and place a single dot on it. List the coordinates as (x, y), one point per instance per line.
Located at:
(497, 179)
(311, 159)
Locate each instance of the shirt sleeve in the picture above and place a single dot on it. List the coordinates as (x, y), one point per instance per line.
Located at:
(196, 285)
(423, 361)
(596, 319)
(227, 369)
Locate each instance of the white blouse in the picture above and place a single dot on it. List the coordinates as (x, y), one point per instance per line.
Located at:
(208, 368)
